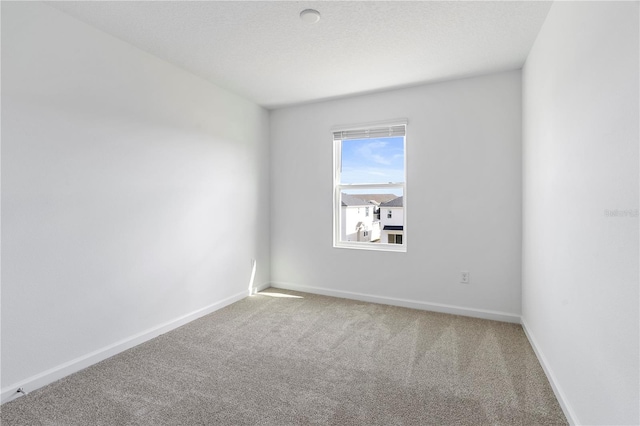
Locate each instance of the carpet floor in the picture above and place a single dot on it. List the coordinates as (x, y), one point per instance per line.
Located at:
(288, 358)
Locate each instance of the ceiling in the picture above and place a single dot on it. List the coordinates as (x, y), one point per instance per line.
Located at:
(264, 52)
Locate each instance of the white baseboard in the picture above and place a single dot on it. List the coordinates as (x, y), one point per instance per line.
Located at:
(259, 288)
(557, 390)
(32, 383)
(425, 306)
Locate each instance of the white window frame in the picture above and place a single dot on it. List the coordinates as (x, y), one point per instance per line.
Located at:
(339, 187)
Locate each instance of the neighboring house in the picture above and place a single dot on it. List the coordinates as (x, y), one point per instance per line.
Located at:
(392, 221)
(377, 198)
(357, 220)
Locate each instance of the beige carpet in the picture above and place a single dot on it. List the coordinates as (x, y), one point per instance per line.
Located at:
(308, 360)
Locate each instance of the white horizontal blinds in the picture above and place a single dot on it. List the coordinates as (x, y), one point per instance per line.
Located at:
(372, 132)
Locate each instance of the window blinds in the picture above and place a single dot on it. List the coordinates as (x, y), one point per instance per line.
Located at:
(372, 132)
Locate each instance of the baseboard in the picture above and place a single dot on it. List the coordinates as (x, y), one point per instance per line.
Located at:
(557, 390)
(425, 306)
(259, 288)
(10, 393)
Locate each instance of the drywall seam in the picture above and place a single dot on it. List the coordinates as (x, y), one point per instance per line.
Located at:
(37, 381)
(425, 306)
(557, 390)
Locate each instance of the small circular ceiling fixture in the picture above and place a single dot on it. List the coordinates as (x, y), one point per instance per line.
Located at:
(310, 16)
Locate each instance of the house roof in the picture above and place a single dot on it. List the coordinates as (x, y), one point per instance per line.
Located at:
(377, 199)
(396, 202)
(350, 200)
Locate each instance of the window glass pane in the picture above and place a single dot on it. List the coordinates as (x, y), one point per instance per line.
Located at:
(376, 160)
(356, 225)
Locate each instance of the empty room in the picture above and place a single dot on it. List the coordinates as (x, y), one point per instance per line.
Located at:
(320, 213)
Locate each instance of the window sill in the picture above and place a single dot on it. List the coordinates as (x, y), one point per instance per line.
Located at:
(402, 248)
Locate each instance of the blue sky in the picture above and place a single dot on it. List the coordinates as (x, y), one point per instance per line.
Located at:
(373, 160)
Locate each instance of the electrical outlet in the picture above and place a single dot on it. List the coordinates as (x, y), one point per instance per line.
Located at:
(464, 277)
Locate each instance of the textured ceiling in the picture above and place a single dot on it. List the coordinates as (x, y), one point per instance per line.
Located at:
(263, 51)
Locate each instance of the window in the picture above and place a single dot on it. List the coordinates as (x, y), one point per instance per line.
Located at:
(394, 238)
(370, 172)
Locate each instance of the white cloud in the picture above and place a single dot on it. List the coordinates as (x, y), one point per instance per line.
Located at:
(371, 152)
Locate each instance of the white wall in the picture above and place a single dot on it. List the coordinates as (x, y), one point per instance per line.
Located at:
(580, 266)
(133, 194)
(397, 216)
(351, 216)
(463, 189)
